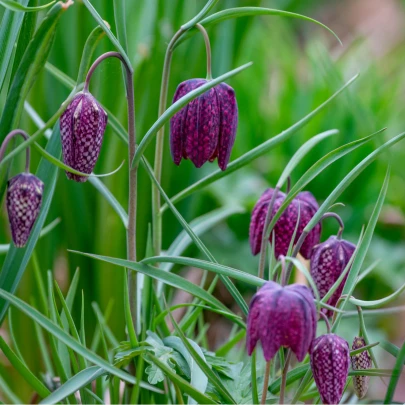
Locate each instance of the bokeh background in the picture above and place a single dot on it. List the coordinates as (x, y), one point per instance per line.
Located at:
(297, 65)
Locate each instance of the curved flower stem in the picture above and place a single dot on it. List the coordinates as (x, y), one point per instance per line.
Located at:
(325, 318)
(283, 271)
(265, 382)
(284, 377)
(156, 215)
(208, 49)
(265, 236)
(8, 138)
(340, 221)
(131, 228)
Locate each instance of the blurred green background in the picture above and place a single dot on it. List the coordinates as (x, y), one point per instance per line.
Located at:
(297, 65)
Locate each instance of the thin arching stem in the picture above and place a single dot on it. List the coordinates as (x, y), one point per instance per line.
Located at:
(338, 219)
(132, 198)
(156, 202)
(208, 49)
(8, 138)
(325, 318)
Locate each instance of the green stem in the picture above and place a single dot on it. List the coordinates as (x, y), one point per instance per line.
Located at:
(8, 138)
(131, 228)
(265, 382)
(284, 377)
(156, 203)
(208, 50)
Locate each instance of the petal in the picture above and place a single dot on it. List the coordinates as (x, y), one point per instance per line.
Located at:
(177, 121)
(24, 198)
(201, 128)
(228, 123)
(66, 129)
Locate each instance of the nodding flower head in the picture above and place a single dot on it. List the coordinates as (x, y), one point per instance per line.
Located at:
(281, 317)
(360, 361)
(330, 362)
(24, 198)
(328, 261)
(304, 205)
(205, 128)
(82, 127)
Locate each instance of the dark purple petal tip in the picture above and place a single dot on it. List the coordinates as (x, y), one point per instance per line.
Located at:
(304, 206)
(205, 128)
(360, 361)
(24, 198)
(328, 261)
(330, 361)
(82, 127)
(281, 317)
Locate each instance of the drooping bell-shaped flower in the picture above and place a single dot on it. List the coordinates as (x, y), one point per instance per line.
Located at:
(328, 261)
(360, 361)
(303, 206)
(330, 362)
(24, 198)
(82, 127)
(205, 128)
(281, 317)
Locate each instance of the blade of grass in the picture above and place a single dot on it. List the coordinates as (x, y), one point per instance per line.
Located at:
(15, 6)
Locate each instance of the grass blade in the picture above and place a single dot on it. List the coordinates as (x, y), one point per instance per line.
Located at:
(14, 6)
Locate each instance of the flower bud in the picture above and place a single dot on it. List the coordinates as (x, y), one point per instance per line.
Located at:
(24, 198)
(82, 127)
(360, 361)
(328, 261)
(281, 317)
(304, 205)
(205, 128)
(330, 361)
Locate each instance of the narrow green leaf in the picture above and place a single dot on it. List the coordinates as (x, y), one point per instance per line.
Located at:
(380, 302)
(23, 370)
(181, 382)
(206, 9)
(15, 6)
(256, 152)
(368, 234)
(168, 278)
(177, 106)
(8, 393)
(209, 266)
(62, 336)
(74, 384)
(301, 153)
(9, 29)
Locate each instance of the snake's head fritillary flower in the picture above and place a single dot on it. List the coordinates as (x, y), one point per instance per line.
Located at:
(360, 361)
(304, 207)
(281, 317)
(328, 261)
(82, 127)
(330, 362)
(24, 198)
(205, 128)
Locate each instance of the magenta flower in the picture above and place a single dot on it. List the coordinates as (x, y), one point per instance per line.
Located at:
(205, 128)
(330, 362)
(304, 203)
(281, 317)
(328, 260)
(82, 127)
(360, 361)
(24, 198)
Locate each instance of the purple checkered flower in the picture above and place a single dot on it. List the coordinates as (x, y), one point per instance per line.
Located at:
(330, 362)
(304, 204)
(82, 127)
(24, 198)
(328, 260)
(281, 317)
(360, 361)
(205, 128)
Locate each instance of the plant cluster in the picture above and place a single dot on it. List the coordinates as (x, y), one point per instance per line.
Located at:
(163, 360)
